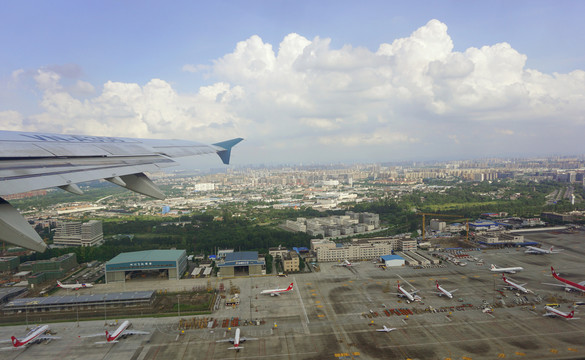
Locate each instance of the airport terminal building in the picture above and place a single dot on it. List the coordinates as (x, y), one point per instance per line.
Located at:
(169, 264)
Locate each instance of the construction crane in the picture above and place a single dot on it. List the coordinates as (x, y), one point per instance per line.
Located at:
(443, 215)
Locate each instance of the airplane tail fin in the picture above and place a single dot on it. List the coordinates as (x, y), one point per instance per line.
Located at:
(437, 282)
(15, 342)
(493, 267)
(108, 336)
(59, 283)
(227, 146)
(571, 314)
(290, 287)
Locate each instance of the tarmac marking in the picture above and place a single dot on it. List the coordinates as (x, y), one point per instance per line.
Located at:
(572, 349)
(520, 353)
(501, 355)
(305, 325)
(554, 351)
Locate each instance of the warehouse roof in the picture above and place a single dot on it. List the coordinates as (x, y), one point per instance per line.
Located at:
(82, 299)
(391, 257)
(147, 255)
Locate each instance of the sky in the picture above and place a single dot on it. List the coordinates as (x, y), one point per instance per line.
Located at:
(303, 82)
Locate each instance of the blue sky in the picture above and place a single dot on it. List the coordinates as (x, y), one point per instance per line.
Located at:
(367, 81)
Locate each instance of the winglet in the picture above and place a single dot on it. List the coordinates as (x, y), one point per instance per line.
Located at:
(227, 146)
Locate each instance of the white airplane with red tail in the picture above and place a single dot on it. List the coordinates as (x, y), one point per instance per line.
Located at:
(513, 285)
(443, 292)
(410, 296)
(36, 335)
(569, 285)
(74, 286)
(539, 251)
(120, 333)
(552, 312)
(277, 292)
(346, 263)
(237, 340)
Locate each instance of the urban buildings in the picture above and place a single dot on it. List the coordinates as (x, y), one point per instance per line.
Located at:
(75, 233)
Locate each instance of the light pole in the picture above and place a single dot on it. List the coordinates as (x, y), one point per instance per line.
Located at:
(179, 305)
(105, 313)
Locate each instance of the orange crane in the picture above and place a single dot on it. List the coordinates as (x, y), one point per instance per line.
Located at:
(443, 215)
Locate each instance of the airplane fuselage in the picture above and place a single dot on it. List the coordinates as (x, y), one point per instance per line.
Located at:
(277, 292)
(514, 285)
(570, 284)
(509, 270)
(444, 292)
(30, 337)
(118, 332)
(556, 312)
(406, 294)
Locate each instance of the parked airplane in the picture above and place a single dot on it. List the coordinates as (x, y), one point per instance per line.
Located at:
(569, 284)
(36, 335)
(346, 263)
(513, 285)
(277, 292)
(539, 251)
(120, 333)
(74, 286)
(236, 340)
(443, 292)
(552, 312)
(509, 270)
(34, 161)
(408, 295)
(386, 329)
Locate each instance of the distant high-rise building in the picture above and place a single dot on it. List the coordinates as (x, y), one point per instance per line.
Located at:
(75, 233)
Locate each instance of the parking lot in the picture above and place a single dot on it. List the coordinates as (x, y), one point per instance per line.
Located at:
(334, 314)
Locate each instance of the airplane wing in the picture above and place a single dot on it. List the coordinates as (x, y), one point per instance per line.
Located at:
(34, 161)
(226, 340)
(134, 332)
(47, 337)
(102, 334)
(242, 339)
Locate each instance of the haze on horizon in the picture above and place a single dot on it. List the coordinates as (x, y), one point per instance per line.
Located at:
(330, 82)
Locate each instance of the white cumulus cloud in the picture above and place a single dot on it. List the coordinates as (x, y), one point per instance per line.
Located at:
(311, 101)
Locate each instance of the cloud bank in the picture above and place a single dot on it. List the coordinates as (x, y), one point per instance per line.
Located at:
(307, 102)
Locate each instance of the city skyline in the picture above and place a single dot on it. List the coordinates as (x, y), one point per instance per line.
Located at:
(310, 83)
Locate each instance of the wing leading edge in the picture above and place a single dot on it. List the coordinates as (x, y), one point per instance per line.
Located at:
(34, 161)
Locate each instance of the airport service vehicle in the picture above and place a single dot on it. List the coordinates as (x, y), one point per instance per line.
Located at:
(36, 335)
(552, 312)
(514, 286)
(74, 286)
(410, 296)
(386, 329)
(539, 251)
(121, 332)
(237, 340)
(35, 161)
(277, 292)
(569, 285)
(509, 270)
(443, 292)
